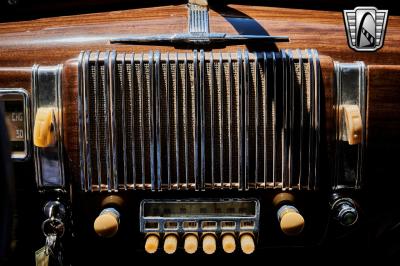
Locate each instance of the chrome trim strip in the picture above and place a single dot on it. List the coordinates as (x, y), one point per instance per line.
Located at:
(292, 111)
(221, 147)
(212, 135)
(86, 61)
(318, 117)
(141, 112)
(257, 94)
(167, 87)
(311, 133)
(152, 121)
(114, 134)
(123, 92)
(96, 103)
(266, 113)
(196, 119)
(157, 96)
(82, 147)
(107, 119)
(275, 131)
(177, 121)
(246, 79)
(302, 118)
(133, 114)
(241, 139)
(284, 123)
(202, 121)
(186, 86)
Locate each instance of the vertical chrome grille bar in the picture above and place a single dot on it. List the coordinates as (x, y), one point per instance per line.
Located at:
(96, 104)
(168, 76)
(246, 79)
(266, 100)
(275, 129)
(124, 127)
(284, 129)
(157, 95)
(185, 113)
(302, 117)
(221, 147)
(152, 122)
(257, 92)
(86, 62)
(212, 88)
(82, 146)
(241, 139)
(317, 116)
(202, 121)
(291, 116)
(113, 94)
(196, 119)
(311, 143)
(177, 134)
(107, 119)
(230, 121)
(141, 63)
(133, 114)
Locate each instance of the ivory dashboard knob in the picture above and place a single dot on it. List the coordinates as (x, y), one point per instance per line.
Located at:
(151, 244)
(247, 243)
(209, 244)
(290, 220)
(44, 134)
(353, 120)
(170, 243)
(228, 243)
(106, 224)
(191, 243)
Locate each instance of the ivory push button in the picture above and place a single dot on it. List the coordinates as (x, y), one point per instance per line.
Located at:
(106, 224)
(44, 134)
(170, 243)
(247, 243)
(151, 244)
(290, 220)
(191, 243)
(228, 243)
(209, 244)
(353, 120)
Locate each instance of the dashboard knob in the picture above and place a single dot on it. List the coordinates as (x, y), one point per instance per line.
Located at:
(209, 244)
(344, 210)
(44, 131)
(170, 243)
(151, 244)
(353, 120)
(247, 243)
(228, 243)
(290, 220)
(191, 243)
(106, 224)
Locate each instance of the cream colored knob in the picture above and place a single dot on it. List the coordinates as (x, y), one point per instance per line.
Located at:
(228, 243)
(247, 243)
(191, 243)
(209, 244)
(44, 134)
(151, 244)
(106, 224)
(170, 243)
(353, 123)
(290, 220)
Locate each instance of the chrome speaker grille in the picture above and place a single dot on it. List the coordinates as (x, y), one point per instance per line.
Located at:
(199, 120)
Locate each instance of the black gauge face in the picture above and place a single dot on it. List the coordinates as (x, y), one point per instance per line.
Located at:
(15, 107)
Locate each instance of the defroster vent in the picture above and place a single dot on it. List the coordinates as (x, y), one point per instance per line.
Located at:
(199, 120)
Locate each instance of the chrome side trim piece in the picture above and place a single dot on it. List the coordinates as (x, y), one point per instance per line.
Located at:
(46, 92)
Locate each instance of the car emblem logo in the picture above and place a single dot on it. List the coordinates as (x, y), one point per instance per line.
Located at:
(365, 27)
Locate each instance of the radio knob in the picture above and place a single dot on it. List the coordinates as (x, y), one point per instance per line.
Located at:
(191, 243)
(228, 243)
(290, 220)
(209, 244)
(247, 243)
(106, 224)
(151, 244)
(344, 210)
(170, 243)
